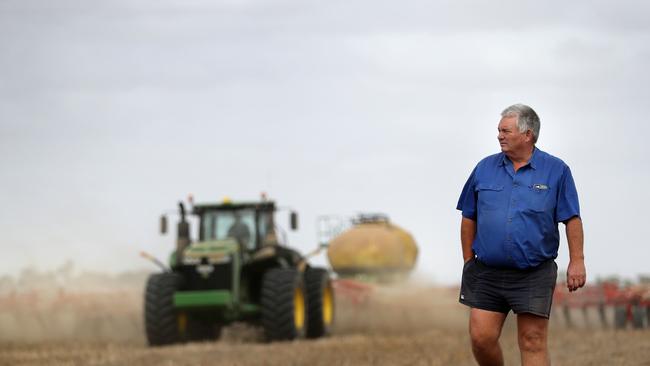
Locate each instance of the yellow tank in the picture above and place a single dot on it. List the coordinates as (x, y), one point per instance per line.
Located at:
(373, 246)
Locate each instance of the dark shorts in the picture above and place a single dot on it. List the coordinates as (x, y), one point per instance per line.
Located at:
(505, 289)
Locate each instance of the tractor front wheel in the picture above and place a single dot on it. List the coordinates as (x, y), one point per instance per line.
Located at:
(163, 324)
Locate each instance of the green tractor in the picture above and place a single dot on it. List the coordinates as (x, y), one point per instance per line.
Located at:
(236, 271)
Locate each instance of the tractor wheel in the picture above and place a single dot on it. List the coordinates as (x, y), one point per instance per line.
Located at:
(164, 325)
(320, 302)
(283, 304)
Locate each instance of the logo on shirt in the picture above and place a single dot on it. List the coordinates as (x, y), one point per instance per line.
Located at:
(540, 186)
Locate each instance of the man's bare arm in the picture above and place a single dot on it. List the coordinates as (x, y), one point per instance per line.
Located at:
(576, 274)
(467, 234)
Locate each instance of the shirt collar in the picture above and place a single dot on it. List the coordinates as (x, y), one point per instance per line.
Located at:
(534, 159)
(533, 162)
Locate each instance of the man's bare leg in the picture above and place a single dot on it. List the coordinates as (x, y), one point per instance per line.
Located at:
(532, 332)
(485, 330)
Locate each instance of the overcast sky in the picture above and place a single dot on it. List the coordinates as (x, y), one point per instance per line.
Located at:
(112, 111)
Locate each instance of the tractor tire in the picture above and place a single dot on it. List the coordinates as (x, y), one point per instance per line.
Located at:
(320, 302)
(283, 304)
(162, 322)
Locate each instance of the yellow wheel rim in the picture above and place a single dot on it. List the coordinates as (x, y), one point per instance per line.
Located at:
(328, 306)
(298, 308)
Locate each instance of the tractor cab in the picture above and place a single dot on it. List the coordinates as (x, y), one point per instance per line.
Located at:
(250, 224)
(243, 228)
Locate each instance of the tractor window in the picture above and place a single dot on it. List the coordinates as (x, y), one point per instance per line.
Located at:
(268, 233)
(239, 225)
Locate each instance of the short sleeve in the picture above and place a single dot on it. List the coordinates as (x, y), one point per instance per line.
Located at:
(468, 198)
(567, 199)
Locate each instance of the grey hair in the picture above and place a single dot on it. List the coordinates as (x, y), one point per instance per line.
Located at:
(527, 119)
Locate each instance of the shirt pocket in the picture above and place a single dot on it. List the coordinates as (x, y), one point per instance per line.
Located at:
(539, 199)
(489, 196)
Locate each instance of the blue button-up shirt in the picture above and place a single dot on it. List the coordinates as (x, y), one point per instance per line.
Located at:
(517, 213)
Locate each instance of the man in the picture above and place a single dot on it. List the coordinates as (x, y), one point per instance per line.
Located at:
(511, 206)
(239, 230)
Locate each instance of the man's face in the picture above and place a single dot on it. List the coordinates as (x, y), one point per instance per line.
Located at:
(510, 139)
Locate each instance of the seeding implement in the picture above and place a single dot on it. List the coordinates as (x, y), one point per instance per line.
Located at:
(629, 304)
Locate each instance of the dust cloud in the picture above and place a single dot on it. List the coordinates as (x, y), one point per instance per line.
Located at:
(68, 305)
(71, 317)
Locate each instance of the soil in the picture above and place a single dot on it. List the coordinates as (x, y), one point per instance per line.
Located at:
(395, 325)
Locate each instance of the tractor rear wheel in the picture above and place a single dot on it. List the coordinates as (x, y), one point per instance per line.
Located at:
(283, 304)
(163, 324)
(320, 302)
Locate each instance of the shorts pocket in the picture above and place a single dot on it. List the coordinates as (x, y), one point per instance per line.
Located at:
(541, 289)
(468, 264)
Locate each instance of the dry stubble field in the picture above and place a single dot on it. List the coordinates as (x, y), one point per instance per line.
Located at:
(100, 323)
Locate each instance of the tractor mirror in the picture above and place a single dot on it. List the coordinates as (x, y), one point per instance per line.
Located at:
(163, 224)
(293, 218)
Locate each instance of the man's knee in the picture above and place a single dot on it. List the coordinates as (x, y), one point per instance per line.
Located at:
(532, 340)
(532, 332)
(483, 338)
(485, 329)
